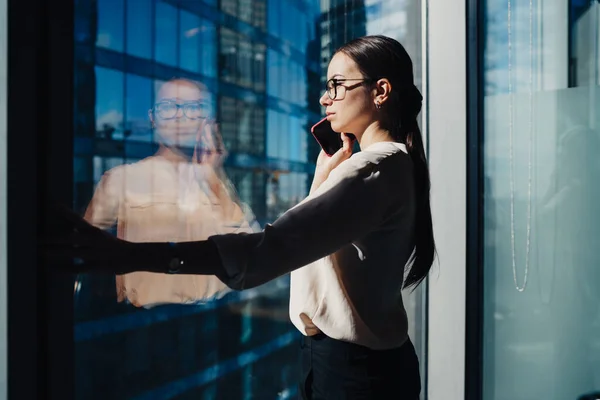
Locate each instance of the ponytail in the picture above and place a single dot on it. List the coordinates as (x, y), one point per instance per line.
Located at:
(407, 131)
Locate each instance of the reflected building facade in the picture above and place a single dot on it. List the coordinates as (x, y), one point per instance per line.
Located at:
(253, 57)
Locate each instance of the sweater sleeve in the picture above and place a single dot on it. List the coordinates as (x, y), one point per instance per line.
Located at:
(351, 203)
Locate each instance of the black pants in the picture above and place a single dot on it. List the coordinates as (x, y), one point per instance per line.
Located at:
(337, 370)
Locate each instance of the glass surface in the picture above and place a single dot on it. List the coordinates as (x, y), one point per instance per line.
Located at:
(189, 39)
(139, 28)
(139, 90)
(109, 103)
(209, 46)
(165, 33)
(542, 341)
(111, 27)
(263, 92)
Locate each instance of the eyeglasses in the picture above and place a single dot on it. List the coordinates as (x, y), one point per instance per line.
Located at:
(333, 84)
(192, 110)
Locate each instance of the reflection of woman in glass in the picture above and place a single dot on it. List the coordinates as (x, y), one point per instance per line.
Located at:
(363, 233)
(173, 196)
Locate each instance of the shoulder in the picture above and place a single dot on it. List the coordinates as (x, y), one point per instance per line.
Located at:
(381, 172)
(385, 158)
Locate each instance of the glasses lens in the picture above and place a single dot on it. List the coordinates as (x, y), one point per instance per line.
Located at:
(195, 110)
(331, 89)
(166, 110)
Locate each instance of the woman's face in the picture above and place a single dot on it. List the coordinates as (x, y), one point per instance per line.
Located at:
(179, 113)
(353, 107)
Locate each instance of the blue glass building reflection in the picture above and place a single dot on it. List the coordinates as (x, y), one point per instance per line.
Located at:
(258, 58)
(264, 62)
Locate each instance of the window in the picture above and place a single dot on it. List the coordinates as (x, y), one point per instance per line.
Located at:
(209, 46)
(165, 47)
(248, 11)
(109, 103)
(139, 28)
(285, 189)
(242, 126)
(258, 66)
(274, 75)
(540, 232)
(274, 17)
(228, 68)
(240, 346)
(272, 133)
(242, 62)
(189, 39)
(287, 137)
(110, 25)
(139, 101)
(228, 123)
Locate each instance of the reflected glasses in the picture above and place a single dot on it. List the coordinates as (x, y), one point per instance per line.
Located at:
(336, 90)
(192, 110)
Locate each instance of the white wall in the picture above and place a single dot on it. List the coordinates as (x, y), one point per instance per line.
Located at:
(3, 287)
(447, 115)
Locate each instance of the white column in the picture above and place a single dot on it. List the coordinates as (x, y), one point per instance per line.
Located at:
(447, 123)
(3, 277)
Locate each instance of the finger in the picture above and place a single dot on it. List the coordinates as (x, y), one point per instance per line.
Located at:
(346, 142)
(344, 152)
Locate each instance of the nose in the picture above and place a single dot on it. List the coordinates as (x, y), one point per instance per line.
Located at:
(325, 100)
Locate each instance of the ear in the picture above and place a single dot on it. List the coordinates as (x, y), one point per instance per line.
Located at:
(382, 91)
(151, 117)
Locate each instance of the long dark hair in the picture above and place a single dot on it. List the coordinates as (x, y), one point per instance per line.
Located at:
(383, 57)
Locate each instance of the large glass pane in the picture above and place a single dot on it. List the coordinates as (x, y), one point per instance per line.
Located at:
(110, 24)
(261, 96)
(541, 275)
(139, 28)
(109, 103)
(139, 95)
(209, 48)
(189, 39)
(166, 34)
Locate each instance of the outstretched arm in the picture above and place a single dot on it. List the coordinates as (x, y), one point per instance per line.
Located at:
(320, 225)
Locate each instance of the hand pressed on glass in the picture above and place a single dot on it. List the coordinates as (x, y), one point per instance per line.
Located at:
(85, 248)
(82, 246)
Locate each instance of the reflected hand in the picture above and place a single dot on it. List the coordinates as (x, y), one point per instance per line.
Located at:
(81, 247)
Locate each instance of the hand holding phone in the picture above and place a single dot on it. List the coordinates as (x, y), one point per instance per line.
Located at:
(329, 140)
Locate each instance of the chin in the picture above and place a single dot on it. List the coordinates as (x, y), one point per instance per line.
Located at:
(337, 127)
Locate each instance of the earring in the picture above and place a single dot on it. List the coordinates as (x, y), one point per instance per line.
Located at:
(378, 104)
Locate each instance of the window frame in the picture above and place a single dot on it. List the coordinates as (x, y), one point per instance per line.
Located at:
(448, 145)
(40, 60)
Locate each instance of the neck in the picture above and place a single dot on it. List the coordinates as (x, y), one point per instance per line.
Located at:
(374, 133)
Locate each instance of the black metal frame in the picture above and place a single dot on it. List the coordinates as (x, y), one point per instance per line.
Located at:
(475, 201)
(39, 157)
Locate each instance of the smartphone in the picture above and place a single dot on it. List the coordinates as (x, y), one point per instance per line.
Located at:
(329, 140)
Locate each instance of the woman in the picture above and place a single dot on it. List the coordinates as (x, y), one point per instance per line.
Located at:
(172, 196)
(346, 245)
